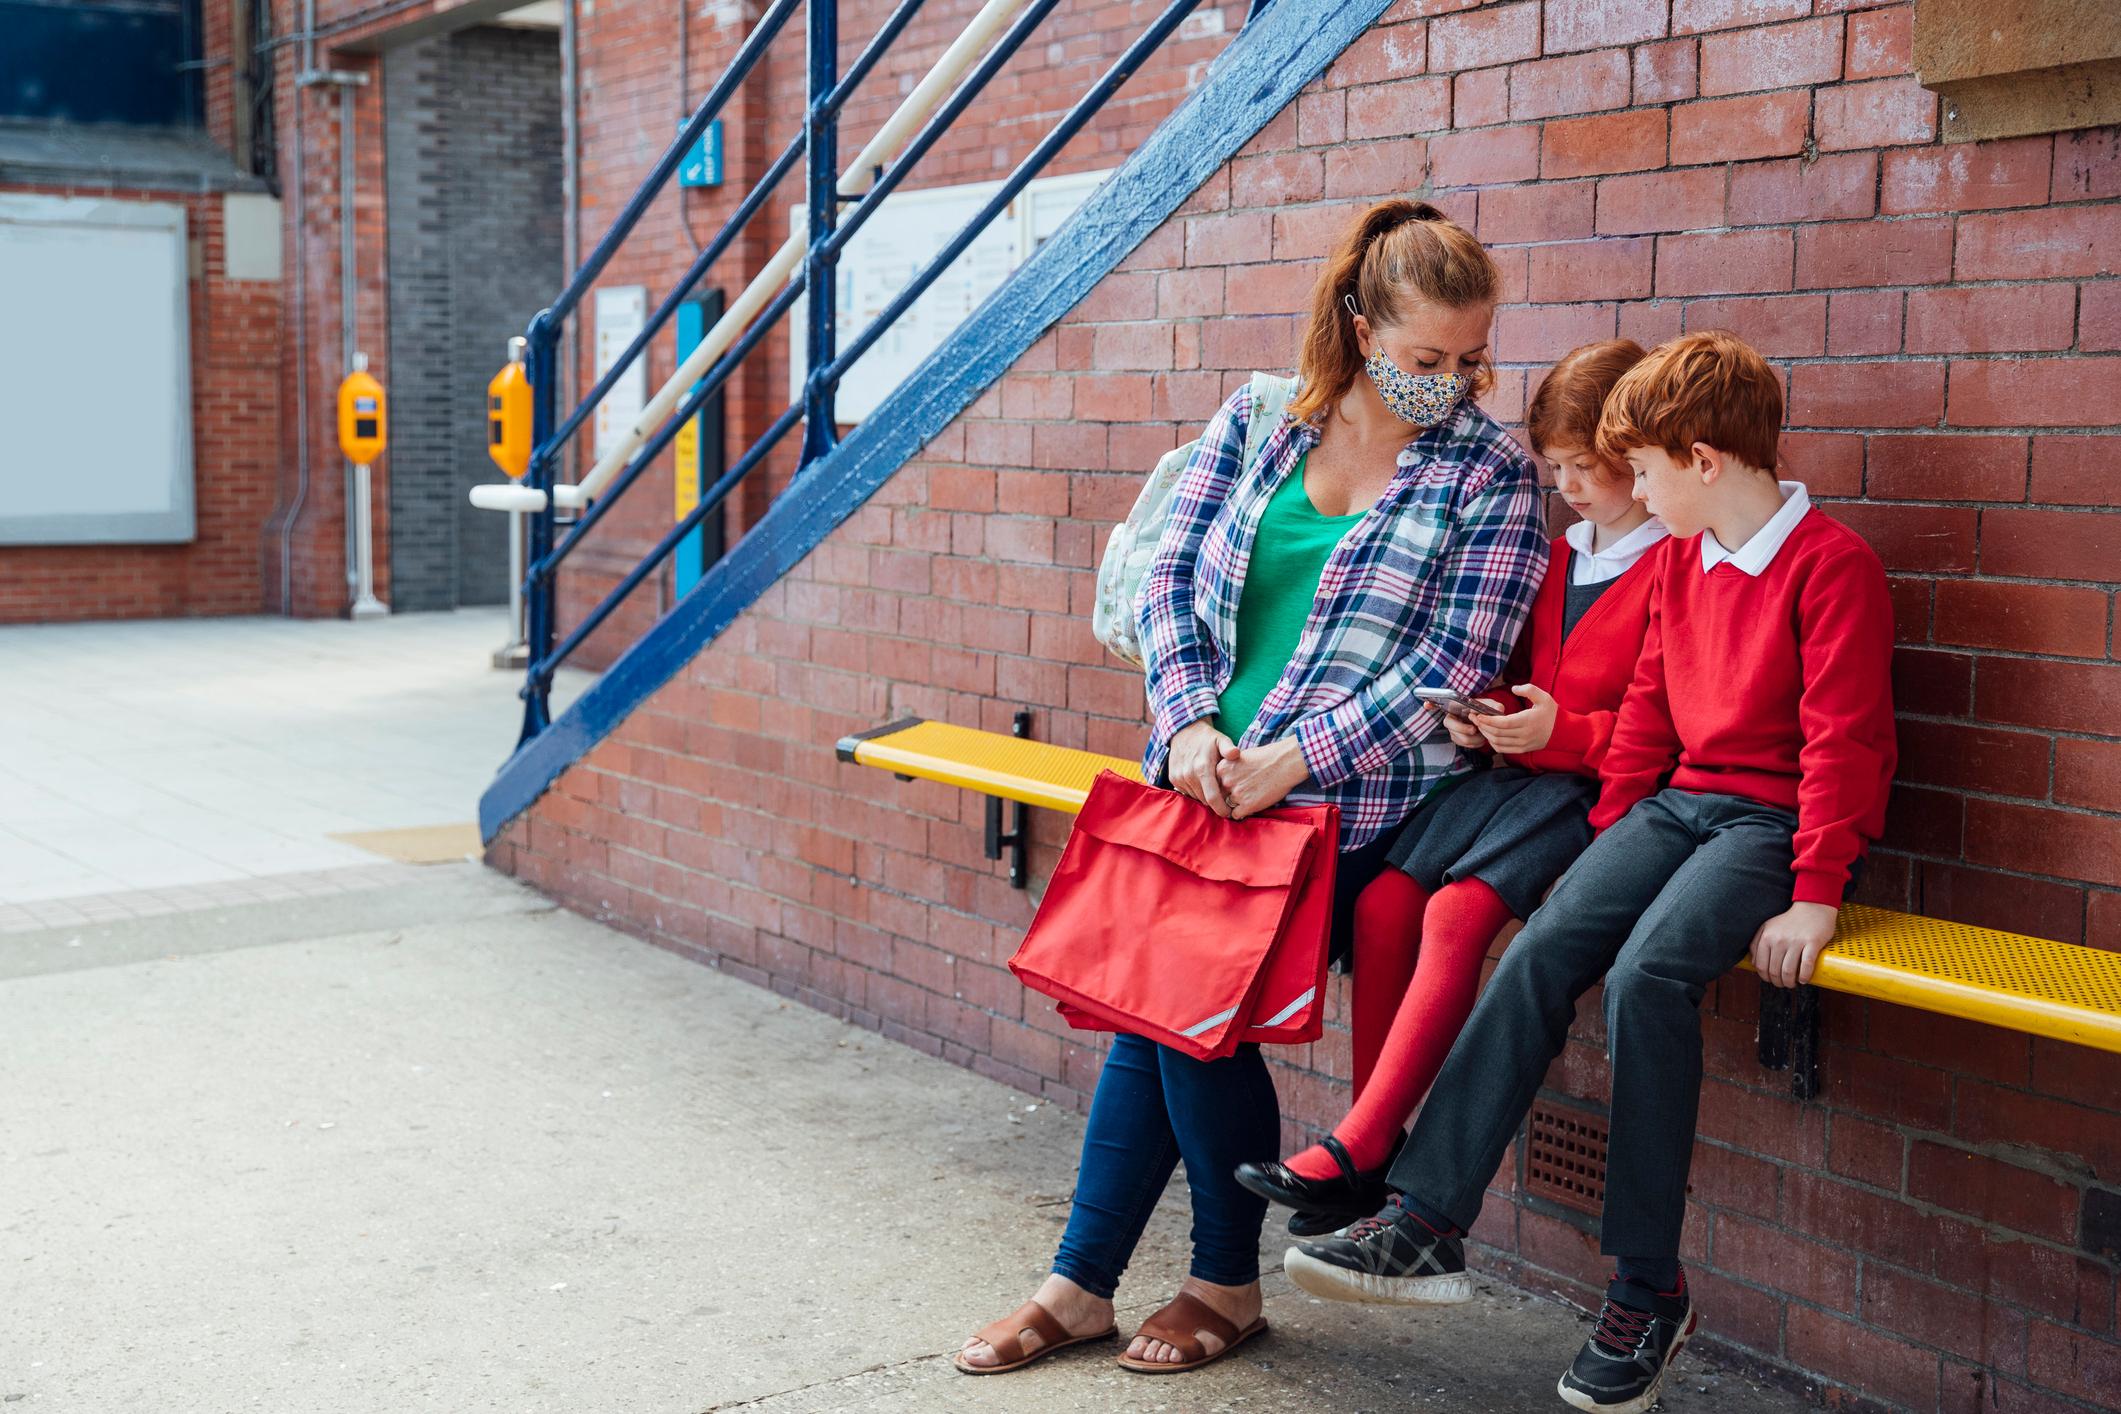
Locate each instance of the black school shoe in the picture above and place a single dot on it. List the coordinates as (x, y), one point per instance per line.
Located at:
(1640, 1333)
(1394, 1258)
(1303, 1224)
(1348, 1195)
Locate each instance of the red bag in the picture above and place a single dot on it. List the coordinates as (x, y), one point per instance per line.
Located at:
(1168, 921)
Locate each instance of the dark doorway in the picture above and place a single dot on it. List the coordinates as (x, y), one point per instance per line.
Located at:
(473, 157)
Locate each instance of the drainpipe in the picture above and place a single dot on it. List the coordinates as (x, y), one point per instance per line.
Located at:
(300, 201)
(570, 189)
(346, 82)
(356, 484)
(310, 76)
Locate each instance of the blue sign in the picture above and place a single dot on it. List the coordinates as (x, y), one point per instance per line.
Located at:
(702, 166)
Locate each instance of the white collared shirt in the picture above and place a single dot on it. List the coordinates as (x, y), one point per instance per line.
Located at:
(1757, 553)
(1597, 566)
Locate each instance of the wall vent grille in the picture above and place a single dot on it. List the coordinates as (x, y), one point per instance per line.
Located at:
(1565, 1156)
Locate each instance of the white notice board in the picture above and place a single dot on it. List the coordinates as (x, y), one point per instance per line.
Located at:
(95, 372)
(621, 312)
(909, 230)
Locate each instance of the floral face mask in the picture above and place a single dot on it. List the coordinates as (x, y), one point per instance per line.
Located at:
(1422, 399)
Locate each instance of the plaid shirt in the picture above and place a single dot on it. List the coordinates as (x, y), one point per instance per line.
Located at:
(1428, 590)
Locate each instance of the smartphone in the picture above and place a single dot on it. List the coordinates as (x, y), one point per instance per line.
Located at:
(1455, 703)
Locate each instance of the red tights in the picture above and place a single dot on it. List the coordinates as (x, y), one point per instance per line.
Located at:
(1417, 969)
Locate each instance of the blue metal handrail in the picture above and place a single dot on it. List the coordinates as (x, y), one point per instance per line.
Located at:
(1071, 123)
(737, 222)
(821, 166)
(829, 231)
(967, 90)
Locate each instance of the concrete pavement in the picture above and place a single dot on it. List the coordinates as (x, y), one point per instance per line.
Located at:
(432, 1144)
(195, 757)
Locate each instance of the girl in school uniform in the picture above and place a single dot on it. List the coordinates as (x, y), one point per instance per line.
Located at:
(1484, 848)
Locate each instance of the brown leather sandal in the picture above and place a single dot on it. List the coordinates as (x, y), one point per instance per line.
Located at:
(1175, 1326)
(1006, 1338)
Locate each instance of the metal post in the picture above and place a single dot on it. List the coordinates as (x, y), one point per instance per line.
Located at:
(514, 653)
(820, 267)
(539, 364)
(365, 603)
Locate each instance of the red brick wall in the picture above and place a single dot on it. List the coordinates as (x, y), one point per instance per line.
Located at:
(1946, 319)
(245, 422)
(234, 354)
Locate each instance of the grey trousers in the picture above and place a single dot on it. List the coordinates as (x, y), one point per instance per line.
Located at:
(1660, 905)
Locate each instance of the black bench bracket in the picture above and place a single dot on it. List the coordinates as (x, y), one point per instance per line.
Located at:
(845, 749)
(1789, 1035)
(1018, 837)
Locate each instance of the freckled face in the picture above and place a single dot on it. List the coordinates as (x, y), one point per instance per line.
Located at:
(1672, 489)
(1583, 482)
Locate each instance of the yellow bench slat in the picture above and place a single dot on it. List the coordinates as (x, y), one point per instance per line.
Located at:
(2020, 983)
(1034, 772)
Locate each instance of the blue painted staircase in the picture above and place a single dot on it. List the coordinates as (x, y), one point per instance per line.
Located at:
(1282, 47)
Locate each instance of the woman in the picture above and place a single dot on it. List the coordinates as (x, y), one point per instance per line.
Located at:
(1476, 856)
(1386, 539)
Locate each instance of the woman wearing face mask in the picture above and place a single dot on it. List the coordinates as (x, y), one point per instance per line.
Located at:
(1387, 538)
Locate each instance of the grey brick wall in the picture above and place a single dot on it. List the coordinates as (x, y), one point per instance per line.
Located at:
(472, 142)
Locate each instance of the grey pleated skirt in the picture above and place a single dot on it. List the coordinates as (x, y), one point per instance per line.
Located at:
(1512, 829)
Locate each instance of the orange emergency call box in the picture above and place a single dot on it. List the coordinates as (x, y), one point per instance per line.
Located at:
(508, 414)
(363, 420)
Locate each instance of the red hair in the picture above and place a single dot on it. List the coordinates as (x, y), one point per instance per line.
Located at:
(1711, 387)
(1564, 412)
(1396, 254)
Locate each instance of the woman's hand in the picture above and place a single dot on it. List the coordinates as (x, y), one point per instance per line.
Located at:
(1258, 778)
(1195, 750)
(1787, 947)
(1516, 733)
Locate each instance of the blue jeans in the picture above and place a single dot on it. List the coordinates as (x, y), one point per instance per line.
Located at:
(1153, 1107)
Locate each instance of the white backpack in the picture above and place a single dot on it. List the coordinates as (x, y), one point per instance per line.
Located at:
(1115, 617)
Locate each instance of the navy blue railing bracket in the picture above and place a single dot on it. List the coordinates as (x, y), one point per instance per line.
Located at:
(821, 166)
(1281, 48)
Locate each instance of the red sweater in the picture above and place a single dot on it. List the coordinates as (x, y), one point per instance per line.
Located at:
(1776, 688)
(1587, 674)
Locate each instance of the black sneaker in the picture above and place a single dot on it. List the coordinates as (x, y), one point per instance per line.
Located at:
(1640, 1332)
(1393, 1257)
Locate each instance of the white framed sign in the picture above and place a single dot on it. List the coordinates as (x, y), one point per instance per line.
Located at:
(621, 314)
(909, 230)
(95, 372)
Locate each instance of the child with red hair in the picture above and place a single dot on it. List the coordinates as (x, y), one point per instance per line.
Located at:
(1484, 848)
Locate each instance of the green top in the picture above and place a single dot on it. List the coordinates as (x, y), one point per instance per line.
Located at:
(1281, 584)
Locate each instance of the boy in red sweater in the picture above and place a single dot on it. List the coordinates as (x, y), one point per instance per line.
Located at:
(1747, 775)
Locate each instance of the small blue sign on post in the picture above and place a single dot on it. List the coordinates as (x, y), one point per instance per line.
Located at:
(702, 166)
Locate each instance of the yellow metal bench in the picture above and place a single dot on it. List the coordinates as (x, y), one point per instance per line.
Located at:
(999, 767)
(2034, 985)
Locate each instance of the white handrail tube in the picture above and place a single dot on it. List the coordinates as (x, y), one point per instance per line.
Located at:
(507, 496)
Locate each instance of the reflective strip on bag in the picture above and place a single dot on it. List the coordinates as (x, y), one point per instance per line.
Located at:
(1290, 1010)
(1210, 1024)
